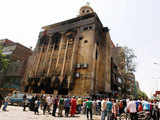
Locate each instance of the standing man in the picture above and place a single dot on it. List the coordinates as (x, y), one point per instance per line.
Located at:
(24, 102)
(103, 109)
(55, 105)
(109, 109)
(131, 107)
(79, 104)
(89, 108)
(1, 101)
(6, 100)
(67, 106)
(61, 106)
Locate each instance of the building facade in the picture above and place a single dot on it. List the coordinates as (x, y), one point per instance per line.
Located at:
(17, 54)
(72, 57)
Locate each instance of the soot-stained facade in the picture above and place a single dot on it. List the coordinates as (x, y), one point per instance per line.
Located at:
(71, 58)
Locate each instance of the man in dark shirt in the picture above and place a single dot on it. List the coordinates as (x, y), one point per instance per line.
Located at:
(1, 101)
(24, 102)
(55, 105)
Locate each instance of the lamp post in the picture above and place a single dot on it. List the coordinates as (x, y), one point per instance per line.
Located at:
(157, 78)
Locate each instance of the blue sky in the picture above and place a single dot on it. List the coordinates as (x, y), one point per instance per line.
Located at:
(133, 23)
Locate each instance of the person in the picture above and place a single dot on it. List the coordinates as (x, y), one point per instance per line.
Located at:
(24, 102)
(103, 109)
(60, 106)
(94, 106)
(55, 105)
(140, 108)
(44, 104)
(1, 100)
(131, 107)
(89, 108)
(114, 109)
(37, 104)
(109, 109)
(146, 105)
(73, 106)
(31, 106)
(79, 104)
(6, 100)
(158, 105)
(98, 106)
(67, 106)
(49, 103)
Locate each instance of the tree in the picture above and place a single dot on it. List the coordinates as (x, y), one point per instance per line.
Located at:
(127, 69)
(129, 59)
(3, 60)
(141, 94)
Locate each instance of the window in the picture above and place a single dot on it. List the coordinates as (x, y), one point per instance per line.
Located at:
(84, 65)
(77, 75)
(80, 38)
(96, 54)
(88, 11)
(86, 28)
(90, 27)
(86, 41)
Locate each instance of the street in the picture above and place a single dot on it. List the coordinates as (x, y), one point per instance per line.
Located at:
(17, 113)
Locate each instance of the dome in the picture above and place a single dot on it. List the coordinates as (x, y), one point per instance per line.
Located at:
(85, 10)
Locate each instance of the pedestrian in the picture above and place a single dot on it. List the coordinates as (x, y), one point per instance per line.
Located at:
(44, 105)
(73, 106)
(67, 106)
(131, 107)
(61, 106)
(55, 105)
(114, 109)
(109, 109)
(98, 106)
(24, 102)
(89, 108)
(79, 104)
(49, 103)
(37, 104)
(140, 108)
(103, 109)
(1, 100)
(94, 106)
(6, 100)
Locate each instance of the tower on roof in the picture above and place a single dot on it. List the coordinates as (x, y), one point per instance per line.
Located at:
(84, 10)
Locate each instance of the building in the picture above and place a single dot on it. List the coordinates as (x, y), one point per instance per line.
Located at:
(117, 68)
(17, 54)
(72, 57)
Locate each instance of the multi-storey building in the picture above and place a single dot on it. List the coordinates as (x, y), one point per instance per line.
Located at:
(72, 57)
(17, 54)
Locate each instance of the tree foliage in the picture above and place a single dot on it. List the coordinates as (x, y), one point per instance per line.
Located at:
(3, 60)
(129, 57)
(141, 94)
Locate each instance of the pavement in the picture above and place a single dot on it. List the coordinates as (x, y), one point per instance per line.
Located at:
(17, 113)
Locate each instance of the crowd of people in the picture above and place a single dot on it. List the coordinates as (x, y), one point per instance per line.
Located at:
(108, 108)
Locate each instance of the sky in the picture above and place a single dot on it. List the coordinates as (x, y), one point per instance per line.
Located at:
(132, 23)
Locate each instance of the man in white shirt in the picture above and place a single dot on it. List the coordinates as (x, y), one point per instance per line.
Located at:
(103, 109)
(131, 107)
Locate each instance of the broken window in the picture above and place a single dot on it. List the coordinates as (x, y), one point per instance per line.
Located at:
(80, 38)
(56, 40)
(86, 41)
(96, 54)
(44, 40)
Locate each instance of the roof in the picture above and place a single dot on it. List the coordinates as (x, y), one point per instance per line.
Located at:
(70, 21)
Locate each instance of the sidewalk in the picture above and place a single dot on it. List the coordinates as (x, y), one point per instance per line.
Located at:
(17, 113)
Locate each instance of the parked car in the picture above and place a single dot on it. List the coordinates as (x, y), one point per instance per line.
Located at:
(17, 99)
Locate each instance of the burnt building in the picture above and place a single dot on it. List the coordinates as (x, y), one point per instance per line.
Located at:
(72, 57)
(17, 54)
